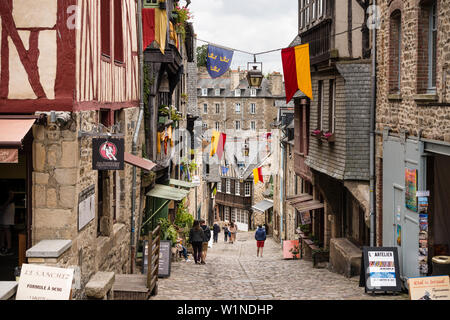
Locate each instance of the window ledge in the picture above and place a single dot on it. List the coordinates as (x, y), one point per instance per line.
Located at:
(426, 97)
(394, 97)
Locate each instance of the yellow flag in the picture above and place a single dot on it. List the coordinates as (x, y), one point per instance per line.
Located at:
(214, 143)
(161, 28)
(303, 69)
(256, 175)
(158, 142)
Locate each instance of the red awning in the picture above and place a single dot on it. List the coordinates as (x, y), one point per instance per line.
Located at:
(139, 162)
(12, 131)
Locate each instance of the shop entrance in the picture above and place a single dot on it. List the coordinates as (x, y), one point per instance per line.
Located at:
(15, 232)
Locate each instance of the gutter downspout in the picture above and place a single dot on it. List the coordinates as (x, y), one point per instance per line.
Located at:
(136, 133)
(372, 132)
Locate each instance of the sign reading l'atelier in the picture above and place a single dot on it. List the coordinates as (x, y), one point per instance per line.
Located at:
(9, 156)
(108, 154)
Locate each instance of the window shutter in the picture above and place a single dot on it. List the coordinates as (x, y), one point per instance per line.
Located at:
(118, 31)
(106, 27)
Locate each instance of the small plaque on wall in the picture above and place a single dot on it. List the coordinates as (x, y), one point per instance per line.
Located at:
(86, 207)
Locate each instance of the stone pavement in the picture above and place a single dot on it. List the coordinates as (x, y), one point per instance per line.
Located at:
(233, 272)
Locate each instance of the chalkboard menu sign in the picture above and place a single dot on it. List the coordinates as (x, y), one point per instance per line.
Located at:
(165, 254)
(380, 270)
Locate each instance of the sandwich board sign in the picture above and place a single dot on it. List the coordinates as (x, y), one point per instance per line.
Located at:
(165, 255)
(38, 282)
(429, 288)
(380, 270)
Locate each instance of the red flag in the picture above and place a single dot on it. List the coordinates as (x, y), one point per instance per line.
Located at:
(290, 72)
(221, 146)
(148, 26)
(260, 174)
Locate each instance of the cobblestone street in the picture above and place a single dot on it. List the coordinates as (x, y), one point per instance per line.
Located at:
(233, 272)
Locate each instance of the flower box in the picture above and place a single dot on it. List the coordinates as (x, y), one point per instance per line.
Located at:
(317, 133)
(330, 137)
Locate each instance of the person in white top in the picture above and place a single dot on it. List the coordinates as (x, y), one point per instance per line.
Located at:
(7, 210)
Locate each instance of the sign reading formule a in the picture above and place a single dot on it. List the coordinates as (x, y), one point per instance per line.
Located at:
(108, 154)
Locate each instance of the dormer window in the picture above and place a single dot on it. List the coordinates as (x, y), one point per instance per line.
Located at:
(253, 92)
(204, 92)
(237, 92)
(217, 92)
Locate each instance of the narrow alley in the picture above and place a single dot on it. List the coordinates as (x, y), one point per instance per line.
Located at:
(233, 272)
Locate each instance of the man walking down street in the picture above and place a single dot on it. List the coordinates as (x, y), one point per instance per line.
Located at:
(260, 236)
(207, 233)
(216, 231)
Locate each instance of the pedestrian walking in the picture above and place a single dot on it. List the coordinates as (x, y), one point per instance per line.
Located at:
(207, 233)
(196, 238)
(226, 232)
(260, 237)
(233, 230)
(216, 231)
(7, 210)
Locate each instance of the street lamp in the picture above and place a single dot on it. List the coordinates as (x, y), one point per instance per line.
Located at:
(254, 76)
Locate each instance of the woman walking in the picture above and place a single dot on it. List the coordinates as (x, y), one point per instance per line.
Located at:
(196, 238)
(233, 230)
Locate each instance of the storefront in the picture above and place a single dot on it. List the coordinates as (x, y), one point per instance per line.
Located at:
(16, 165)
(416, 193)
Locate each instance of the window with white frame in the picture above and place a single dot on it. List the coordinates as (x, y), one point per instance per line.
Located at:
(248, 189)
(307, 12)
(320, 107)
(205, 108)
(233, 214)
(314, 10)
(238, 125)
(217, 126)
(321, 7)
(302, 13)
(228, 186)
(253, 125)
(253, 92)
(332, 106)
(204, 92)
(238, 188)
(205, 126)
(219, 186)
(217, 107)
(238, 108)
(237, 92)
(217, 92)
(227, 214)
(432, 49)
(252, 108)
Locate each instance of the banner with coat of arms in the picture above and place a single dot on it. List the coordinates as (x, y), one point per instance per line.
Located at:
(218, 61)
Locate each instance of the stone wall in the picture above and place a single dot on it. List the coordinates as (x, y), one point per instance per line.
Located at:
(62, 169)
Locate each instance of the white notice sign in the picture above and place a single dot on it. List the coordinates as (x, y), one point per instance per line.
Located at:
(38, 282)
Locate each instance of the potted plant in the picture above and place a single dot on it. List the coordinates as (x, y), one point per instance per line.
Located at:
(305, 229)
(295, 251)
(317, 133)
(182, 15)
(163, 114)
(175, 116)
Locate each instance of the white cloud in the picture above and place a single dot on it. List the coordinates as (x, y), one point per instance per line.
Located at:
(250, 25)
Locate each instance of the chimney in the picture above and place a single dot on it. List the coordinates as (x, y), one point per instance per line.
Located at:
(276, 83)
(234, 79)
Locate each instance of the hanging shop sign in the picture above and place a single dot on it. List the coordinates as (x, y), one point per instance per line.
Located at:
(108, 154)
(86, 207)
(411, 189)
(9, 156)
(380, 269)
(38, 282)
(165, 254)
(429, 288)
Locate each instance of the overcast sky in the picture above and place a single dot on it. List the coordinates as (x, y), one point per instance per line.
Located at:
(249, 25)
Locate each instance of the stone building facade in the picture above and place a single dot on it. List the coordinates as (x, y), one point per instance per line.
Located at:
(413, 121)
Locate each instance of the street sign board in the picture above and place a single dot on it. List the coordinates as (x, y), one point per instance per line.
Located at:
(108, 154)
(38, 282)
(165, 255)
(380, 269)
(429, 288)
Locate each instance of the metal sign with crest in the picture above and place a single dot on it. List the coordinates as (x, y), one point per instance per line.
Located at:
(108, 154)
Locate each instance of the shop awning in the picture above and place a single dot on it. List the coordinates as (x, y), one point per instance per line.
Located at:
(263, 206)
(181, 183)
(295, 200)
(13, 131)
(139, 162)
(309, 205)
(166, 192)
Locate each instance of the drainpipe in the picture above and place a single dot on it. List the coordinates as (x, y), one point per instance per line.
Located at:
(372, 134)
(136, 133)
(281, 181)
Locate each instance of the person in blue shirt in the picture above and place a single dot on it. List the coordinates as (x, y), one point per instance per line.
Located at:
(260, 236)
